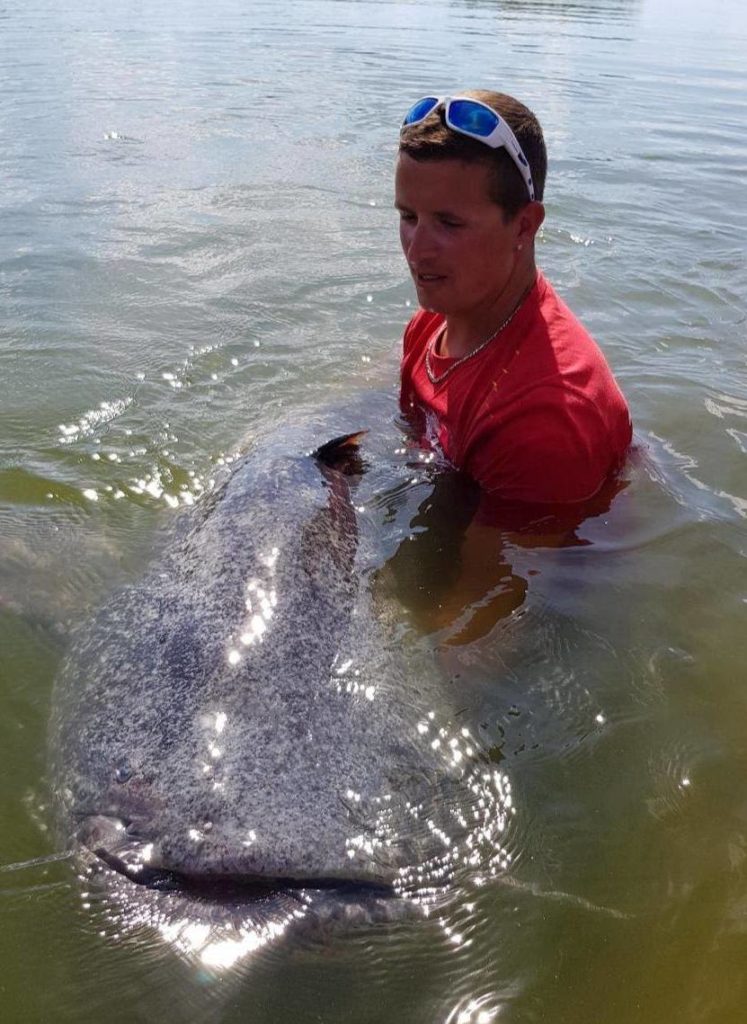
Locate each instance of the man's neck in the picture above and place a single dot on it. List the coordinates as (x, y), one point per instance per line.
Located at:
(465, 333)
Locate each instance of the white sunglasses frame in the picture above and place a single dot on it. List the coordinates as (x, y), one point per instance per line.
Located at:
(501, 135)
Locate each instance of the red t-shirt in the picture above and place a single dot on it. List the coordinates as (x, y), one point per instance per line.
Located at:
(536, 416)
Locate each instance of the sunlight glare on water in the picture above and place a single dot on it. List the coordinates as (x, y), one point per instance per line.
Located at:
(199, 246)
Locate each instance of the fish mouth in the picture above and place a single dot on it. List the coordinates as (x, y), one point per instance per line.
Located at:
(105, 841)
(219, 920)
(230, 885)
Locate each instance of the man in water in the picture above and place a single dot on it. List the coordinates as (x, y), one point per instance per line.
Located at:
(498, 375)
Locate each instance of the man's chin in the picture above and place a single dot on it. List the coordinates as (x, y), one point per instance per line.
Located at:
(430, 296)
(429, 302)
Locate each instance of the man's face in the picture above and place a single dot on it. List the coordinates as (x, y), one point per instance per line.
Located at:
(460, 252)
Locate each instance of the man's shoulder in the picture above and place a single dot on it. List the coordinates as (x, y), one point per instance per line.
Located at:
(560, 352)
(560, 328)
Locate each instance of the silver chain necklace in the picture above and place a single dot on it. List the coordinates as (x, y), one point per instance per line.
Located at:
(434, 379)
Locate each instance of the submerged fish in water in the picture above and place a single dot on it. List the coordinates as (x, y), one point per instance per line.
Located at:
(237, 744)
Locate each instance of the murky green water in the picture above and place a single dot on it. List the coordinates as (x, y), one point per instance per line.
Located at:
(196, 239)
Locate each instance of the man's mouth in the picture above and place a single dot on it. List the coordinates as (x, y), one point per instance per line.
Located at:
(422, 278)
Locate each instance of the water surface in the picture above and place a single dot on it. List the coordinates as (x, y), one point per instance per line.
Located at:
(198, 240)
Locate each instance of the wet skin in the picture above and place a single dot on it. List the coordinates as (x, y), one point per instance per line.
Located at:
(468, 261)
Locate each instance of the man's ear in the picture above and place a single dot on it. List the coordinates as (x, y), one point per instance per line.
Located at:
(528, 222)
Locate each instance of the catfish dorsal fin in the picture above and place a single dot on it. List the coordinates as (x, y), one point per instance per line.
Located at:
(342, 453)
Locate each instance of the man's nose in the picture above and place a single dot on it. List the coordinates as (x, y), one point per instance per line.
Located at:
(419, 243)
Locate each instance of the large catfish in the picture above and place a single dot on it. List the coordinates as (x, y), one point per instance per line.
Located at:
(236, 745)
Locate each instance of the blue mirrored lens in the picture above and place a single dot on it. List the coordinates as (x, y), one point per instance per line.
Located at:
(420, 110)
(470, 117)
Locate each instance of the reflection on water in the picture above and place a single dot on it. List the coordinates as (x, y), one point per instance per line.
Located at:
(216, 930)
(198, 240)
(475, 1010)
(583, 11)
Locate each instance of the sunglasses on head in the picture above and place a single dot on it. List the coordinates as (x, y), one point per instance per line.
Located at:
(476, 120)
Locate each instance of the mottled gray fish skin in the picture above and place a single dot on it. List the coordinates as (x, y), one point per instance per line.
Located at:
(236, 713)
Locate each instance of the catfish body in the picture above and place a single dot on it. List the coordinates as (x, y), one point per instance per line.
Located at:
(234, 736)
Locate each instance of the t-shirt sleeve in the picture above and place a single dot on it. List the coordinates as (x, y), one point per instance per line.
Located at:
(553, 449)
(407, 337)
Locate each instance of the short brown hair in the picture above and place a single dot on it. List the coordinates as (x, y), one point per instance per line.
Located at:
(432, 139)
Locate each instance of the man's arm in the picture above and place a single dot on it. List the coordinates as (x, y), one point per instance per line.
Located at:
(487, 589)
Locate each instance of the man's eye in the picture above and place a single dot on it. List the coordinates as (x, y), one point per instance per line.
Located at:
(449, 222)
(407, 216)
